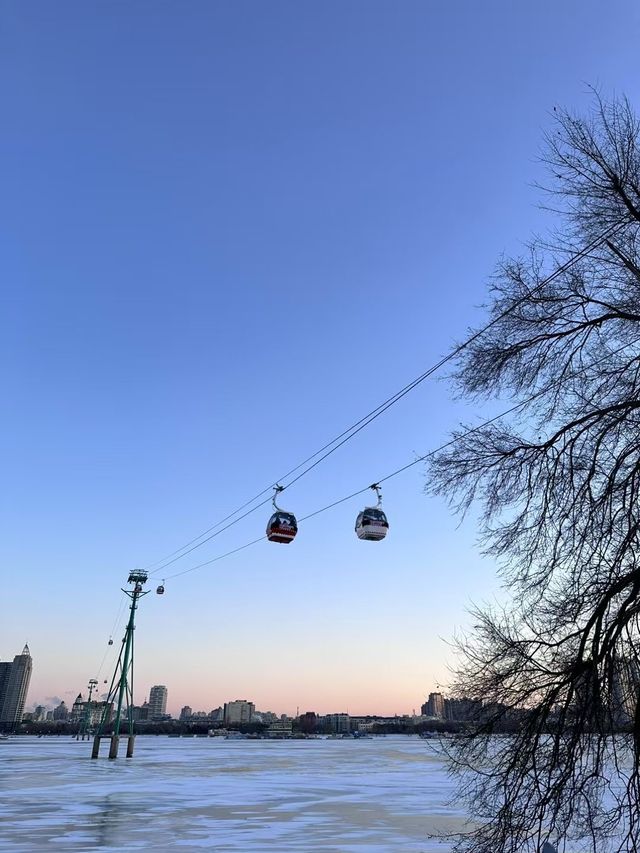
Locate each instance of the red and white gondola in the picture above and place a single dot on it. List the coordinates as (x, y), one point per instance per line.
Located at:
(282, 526)
(371, 523)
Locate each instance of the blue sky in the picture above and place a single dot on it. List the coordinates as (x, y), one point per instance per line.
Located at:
(228, 230)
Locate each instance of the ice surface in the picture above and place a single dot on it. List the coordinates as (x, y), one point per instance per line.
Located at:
(319, 796)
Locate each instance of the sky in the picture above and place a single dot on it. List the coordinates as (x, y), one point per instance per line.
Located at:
(228, 230)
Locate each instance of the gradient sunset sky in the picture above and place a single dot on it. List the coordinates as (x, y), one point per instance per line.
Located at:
(227, 231)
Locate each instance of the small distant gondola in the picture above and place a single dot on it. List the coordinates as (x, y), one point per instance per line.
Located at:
(282, 526)
(371, 523)
(160, 589)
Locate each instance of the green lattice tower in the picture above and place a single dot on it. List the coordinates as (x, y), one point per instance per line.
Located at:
(121, 689)
(85, 723)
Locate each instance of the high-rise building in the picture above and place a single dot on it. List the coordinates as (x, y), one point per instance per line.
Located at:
(5, 669)
(434, 706)
(462, 710)
(61, 712)
(138, 712)
(16, 686)
(157, 701)
(238, 711)
(307, 722)
(338, 723)
(77, 709)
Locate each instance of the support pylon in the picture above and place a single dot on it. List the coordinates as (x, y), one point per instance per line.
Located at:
(121, 689)
(85, 723)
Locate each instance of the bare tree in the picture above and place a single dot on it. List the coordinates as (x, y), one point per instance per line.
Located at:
(559, 487)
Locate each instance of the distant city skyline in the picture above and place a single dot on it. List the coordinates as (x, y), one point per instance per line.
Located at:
(156, 699)
(239, 712)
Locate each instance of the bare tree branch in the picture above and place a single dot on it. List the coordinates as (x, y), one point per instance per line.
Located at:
(559, 488)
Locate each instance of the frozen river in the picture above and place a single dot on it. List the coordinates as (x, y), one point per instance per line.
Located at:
(318, 796)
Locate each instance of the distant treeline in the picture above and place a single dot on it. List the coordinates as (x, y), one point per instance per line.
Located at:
(499, 723)
(176, 727)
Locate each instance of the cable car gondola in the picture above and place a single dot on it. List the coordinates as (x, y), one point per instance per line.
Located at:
(282, 526)
(371, 523)
(110, 643)
(160, 589)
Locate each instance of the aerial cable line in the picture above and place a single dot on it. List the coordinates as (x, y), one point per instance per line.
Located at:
(353, 494)
(416, 461)
(219, 557)
(346, 435)
(213, 527)
(208, 539)
(453, 353)
(116, 622)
